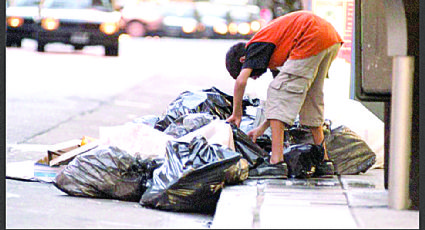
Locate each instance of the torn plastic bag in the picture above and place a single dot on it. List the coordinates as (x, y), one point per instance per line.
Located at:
(302, 159)
(211, 101)
(191, 177)
(252, 152)
(107, 172)
(188, 123)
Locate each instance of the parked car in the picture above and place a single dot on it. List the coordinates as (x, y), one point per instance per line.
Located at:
(142, 18)
(181, 19)
(245, 21)
(79, 23)
(214, 18)
(20, 24)
(225, 20)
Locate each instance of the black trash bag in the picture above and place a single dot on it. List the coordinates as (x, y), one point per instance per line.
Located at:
(258, 159)
(302, 159)
(251, 151)
(107, 172)
(211, 101)
(350, 153)
(265, 141)
(298, 134)
(191, 178)
(264, 170)
(247, 123)
(188, 123)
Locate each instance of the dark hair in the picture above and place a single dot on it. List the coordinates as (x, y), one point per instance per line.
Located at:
(233, 65)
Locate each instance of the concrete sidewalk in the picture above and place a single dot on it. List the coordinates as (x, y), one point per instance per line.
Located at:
(341, 202)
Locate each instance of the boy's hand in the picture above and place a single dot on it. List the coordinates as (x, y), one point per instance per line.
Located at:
(234, 120)
(254, 134)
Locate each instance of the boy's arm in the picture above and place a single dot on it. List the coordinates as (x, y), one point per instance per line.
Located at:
(238, 92)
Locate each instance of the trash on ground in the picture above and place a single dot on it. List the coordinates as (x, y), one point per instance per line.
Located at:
(216, 132)
(32, 171)
(135, 138)
(182, 159)
(212, 101)
(191, 177)
(252, 152)
(64, 156)
(237, 173)
(302, 159)
(349, 151)
(265, 170)
(106, 172)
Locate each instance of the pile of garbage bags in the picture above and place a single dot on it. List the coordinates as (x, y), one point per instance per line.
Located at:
(189, 166)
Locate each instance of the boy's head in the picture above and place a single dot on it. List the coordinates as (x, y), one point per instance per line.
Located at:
(233, 55)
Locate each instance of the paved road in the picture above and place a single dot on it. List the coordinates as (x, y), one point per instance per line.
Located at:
(47, 89)
(62, 95)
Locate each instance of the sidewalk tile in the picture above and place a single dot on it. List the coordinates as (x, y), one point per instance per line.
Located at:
(309, 216)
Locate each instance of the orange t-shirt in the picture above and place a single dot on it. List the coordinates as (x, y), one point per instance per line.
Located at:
(296, 35)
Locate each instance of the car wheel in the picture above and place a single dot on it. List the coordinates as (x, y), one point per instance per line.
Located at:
(135, 29)
(40, 46)
(18, 43)
(9, 42)
(78, 47)
(111, 50)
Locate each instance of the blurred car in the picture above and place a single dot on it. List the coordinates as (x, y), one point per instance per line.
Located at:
(79, 23)
(181, 19)
(141, 18)
(244, 21)
(20, 24)
(214, 17)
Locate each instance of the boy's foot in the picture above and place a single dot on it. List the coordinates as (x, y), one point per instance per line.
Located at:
(325, 169)
(267, 170)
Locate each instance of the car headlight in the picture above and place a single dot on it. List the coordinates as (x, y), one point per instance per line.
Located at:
(255, 26)
(244, 28)
(233, 28)
(220, 28)
(109, 27)
(50, 23)
(15, 21)
(189, 28)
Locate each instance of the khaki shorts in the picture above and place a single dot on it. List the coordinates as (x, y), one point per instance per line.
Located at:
(298, 89)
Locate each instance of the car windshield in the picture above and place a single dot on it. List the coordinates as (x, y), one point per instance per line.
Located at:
(77, 4)
(25, 2)
(212, 10)
(179, 10)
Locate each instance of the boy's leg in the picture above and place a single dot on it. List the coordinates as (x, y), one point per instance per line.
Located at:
(278, 129)
(318, 137)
